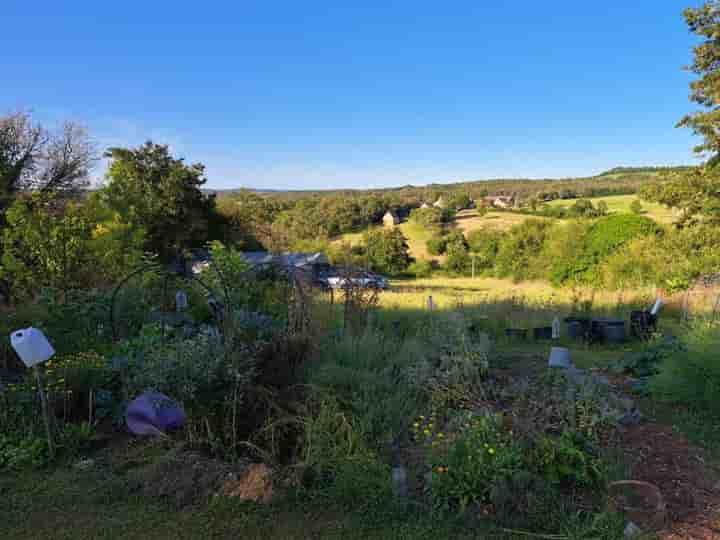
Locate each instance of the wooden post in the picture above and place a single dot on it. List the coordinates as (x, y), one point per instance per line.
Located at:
(473, 266)
(45, 412)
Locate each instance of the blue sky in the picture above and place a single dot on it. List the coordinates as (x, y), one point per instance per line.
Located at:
(324, 95)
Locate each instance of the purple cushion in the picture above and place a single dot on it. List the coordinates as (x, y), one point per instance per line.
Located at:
(153, 413)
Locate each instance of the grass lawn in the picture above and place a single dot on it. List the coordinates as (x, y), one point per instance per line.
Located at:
(620, 204)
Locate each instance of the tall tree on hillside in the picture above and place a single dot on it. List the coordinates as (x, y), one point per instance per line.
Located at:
(705, 90)
(696, 192)
(34, 158)
(149, 187)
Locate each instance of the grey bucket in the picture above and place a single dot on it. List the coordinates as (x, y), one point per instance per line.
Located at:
(559, 357)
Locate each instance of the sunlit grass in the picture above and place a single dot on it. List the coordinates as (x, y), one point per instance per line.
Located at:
(620, 204)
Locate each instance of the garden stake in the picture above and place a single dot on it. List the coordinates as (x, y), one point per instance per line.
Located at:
(46, 413)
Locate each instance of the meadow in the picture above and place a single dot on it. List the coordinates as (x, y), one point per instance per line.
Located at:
(620, 204)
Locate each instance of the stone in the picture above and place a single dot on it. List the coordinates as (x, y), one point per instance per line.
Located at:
(632, 418)
(84, 464)
(255, 485)
(399, 480)
(632, 530)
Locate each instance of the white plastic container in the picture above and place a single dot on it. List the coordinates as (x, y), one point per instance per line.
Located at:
(31, 346)
(656, 307)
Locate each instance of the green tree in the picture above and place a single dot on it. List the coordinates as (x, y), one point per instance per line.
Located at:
(484, 244)
(636, 207)
(161, 194)
(45, 248)
(459, 201)
(520, 248)
(705, 90)
(458, 259)
(387, 251)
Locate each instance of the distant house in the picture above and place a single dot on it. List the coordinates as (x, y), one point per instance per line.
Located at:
(498, 201)
(391, 219)
(424, 206)
(440, 203)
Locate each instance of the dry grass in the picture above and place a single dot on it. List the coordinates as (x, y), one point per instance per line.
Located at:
(469, 220)
(448, 292)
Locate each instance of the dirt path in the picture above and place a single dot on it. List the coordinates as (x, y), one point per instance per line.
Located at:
(690, 487)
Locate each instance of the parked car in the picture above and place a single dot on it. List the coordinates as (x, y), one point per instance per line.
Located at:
(367, 280)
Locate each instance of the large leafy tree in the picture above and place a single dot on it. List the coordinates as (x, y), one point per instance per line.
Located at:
(45, 248)
(33, 158)
(161, 194)
(387, 251)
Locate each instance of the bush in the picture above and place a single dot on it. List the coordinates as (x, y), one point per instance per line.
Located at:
(465, 471)
(437, 245)
(421, 269)
(458, 259)
(484, 244)
(691, 375)
(520, 248)
(582, 261)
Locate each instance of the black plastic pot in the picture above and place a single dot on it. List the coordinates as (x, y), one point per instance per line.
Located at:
(575, 330)
(614, 331)
(516, 333)
(577, 327)
(542, 332)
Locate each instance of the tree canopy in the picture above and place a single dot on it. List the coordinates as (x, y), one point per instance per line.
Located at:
(34, 158)
(160, 193)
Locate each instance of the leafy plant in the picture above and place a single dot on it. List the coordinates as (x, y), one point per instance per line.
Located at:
(465, 471)
(566, 460)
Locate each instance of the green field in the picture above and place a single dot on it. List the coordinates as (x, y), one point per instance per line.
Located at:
(620, 204)
(470, 220)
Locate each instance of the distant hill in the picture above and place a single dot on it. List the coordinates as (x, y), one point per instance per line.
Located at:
(616, 181)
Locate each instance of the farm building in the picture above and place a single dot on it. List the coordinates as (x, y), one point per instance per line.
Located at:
(424, 206)
(499, 201)
(391, 219)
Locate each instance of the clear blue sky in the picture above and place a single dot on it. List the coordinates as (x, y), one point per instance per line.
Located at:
(324, 94)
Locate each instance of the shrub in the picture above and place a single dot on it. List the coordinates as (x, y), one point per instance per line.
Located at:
(582, 260)
(691, 375)
(437, 245)
(484, 244)
(520, 248)
(565, 460)
(465, 471)
(636, 207)
(421, 269)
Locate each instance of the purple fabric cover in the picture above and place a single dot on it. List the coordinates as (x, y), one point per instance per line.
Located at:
(153, 413)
